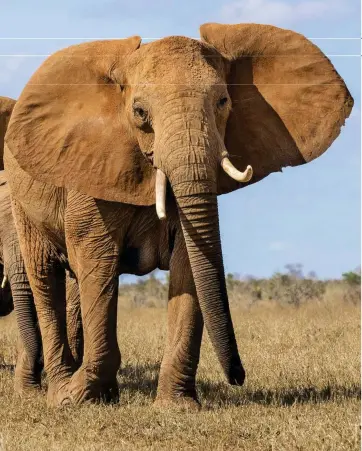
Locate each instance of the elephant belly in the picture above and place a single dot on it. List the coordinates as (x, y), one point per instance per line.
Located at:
(148, 250)
(140, 260)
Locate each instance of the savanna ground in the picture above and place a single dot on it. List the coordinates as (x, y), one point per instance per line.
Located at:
(300, 343)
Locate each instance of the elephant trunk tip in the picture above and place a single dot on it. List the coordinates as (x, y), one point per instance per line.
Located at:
(236, 375)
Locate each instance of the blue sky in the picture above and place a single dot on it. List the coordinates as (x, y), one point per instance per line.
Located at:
(310, 214)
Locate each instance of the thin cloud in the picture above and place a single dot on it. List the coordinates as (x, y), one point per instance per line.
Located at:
(356, 113)
(282, 13)
(8, 67)
(277, 246)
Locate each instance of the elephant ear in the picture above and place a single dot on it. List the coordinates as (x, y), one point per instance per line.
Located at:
(6, 108)
(288, 101)
(69, 126)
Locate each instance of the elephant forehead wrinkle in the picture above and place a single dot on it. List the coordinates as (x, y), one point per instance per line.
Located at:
(175, 61)
(180, 122)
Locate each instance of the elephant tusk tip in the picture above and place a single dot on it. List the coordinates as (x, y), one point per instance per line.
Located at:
(249, 173)
(161, 215)
(230, 169)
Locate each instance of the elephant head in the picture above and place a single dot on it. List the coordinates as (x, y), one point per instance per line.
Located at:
(206, 116)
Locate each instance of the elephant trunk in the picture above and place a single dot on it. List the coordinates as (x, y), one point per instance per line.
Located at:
(26, 316)
(200, 225)
(191, 163)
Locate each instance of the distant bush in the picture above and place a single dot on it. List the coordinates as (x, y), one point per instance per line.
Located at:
(285, 288)
(353, 281)
(146, 292)
(352, 278)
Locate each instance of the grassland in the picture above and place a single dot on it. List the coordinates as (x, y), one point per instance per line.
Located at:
(302, 390)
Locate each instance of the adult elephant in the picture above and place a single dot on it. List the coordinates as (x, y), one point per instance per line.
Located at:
(99, 132)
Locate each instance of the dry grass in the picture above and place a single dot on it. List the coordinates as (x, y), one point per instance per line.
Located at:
(302, 390)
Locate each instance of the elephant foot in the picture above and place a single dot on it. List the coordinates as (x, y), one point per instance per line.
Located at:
(27, 380)
(177, 398)
(85, 386)
(26, 388)
(57, 394)
(176, 391)
(178, 403)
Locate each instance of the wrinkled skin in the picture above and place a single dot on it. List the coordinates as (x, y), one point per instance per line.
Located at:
(82, 165)
(150, 244)
(17, 295)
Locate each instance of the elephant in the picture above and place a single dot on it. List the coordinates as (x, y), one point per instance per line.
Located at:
(16, 292)
(117, 152)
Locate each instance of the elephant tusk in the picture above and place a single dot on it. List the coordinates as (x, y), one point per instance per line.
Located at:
(231, 170)
(161, 184)
(3, 283)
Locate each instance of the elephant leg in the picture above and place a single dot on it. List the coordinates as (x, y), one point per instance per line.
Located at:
(176, 385)
(96, 378)
(74, 321)
(29, 362)
(94, 255)
(28, 370)
(47, 281)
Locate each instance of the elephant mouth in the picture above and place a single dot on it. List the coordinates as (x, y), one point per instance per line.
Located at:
(6, 302)
(149, 156)
(5, 311)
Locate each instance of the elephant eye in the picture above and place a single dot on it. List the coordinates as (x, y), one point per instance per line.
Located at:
(222, 102)
(140, 112)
